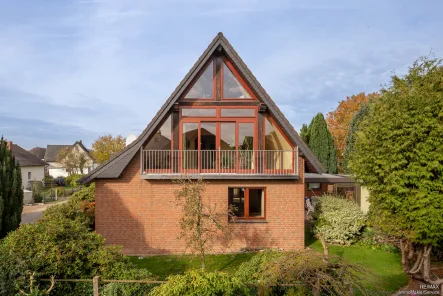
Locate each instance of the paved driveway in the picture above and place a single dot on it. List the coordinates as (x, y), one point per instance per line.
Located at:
(32, 213)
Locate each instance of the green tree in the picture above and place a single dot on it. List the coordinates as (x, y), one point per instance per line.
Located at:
(398, 155)
(304, 133)
(356, 120)
(105, 146)
(72, 160)
(321, 143)
(11, 192)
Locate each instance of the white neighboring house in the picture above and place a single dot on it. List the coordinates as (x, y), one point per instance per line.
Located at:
(56, 169)
(32, 168)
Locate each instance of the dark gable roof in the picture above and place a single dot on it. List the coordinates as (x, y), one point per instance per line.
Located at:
(115, 166)
(38, 152)
(53, 150)
(25, 158)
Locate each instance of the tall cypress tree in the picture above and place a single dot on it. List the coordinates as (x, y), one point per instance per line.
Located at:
(304, 132)
(354, 126)
(11, 192)
(321, 143)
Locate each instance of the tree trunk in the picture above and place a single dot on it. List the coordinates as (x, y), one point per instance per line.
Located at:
(202, 257)
(325, 246)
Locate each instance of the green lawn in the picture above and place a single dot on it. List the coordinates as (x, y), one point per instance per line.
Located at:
(386, 265)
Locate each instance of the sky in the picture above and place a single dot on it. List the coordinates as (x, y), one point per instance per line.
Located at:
(80, 69)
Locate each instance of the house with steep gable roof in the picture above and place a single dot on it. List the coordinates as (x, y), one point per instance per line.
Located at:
(32, 167)
(57, 169)
(219, 125)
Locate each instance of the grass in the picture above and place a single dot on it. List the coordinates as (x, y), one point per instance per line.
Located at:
(385, 264)
(165, 265)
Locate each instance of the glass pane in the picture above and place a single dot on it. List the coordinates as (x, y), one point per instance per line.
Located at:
(198, 112)
(279, 154)
(227, 145)
(162, 138)
(232, 87)
(190, 145)
(159, 148)
(237, 113)
(246, 146)
(237, 199)
(246, 136)
(208, 131)
(203, 87)
(347, 193)
(256, 203)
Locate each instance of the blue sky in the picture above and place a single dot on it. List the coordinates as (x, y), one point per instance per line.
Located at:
(75, 70)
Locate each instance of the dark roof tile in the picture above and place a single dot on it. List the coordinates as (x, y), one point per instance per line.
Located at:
(25, 158)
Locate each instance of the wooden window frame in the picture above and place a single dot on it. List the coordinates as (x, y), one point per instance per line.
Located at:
(246, 208)
(239, 79)
(215, 81)
(197, 77)
(218, 120)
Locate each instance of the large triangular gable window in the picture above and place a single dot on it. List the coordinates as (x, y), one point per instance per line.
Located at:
(232, 88)
(203, 88)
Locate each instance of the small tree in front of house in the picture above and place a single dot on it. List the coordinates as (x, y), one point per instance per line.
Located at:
(201, 223)
(73, 161)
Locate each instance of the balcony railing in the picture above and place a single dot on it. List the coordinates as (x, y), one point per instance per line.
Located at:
(222, 162)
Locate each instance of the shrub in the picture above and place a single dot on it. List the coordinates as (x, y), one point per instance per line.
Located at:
(304, 272)
(200, 282)
(48, 179)
(79, 207)
(373, 239)
(338, 220)
(71, 180)
(62, 244)
(36, 187)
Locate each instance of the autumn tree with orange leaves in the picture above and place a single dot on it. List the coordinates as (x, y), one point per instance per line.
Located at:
(339, 120)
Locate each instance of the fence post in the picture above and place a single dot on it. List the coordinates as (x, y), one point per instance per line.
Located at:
(96, 285)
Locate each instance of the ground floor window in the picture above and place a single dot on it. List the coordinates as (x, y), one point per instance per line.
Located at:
(249, 203)
(29, 175)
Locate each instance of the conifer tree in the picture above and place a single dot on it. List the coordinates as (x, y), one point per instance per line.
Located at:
(321, 143)
(11, 192)
(354, 127)
(304, 133)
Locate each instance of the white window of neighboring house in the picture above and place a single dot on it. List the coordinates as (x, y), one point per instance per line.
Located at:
(29, 175)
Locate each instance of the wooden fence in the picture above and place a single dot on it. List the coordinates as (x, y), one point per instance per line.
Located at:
(97, 281)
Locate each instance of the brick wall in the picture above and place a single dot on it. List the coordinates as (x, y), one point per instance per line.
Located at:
(141, 214)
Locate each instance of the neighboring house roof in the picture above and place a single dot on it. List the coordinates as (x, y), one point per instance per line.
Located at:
(327, 178)
(53, 150)
(115, 166)
(38, 152)
(25, 158)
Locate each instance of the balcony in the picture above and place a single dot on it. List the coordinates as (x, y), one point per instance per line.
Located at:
(219, 164)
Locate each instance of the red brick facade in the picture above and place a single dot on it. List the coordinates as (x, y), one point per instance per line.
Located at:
(141, 214)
